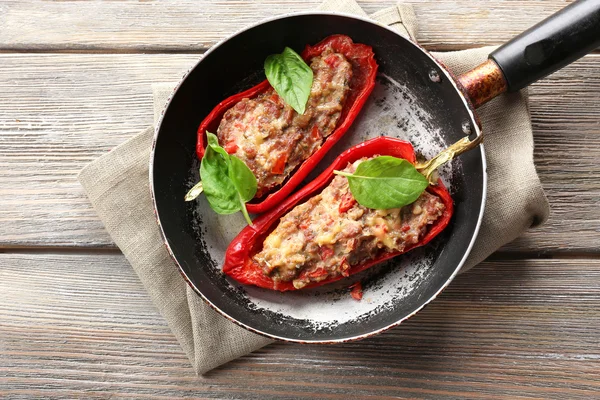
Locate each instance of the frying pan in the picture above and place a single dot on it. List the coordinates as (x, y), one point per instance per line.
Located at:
(416, 98)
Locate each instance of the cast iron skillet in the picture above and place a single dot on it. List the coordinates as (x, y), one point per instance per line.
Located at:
(416, 99)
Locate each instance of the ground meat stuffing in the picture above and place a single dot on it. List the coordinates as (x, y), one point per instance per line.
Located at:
(271, 138)
(323, 237)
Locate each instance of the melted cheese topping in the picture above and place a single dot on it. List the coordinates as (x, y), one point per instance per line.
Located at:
(271, 138)
(328, 234)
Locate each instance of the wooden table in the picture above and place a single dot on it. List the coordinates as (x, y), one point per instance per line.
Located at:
(75, 321)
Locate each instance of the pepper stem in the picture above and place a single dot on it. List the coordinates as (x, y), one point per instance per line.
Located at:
(342, 173)
(194, 192)
(428, 168)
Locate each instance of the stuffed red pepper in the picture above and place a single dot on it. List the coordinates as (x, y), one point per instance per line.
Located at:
(279, 145)
(321, 234)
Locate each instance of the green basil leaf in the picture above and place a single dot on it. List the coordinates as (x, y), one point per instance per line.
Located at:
(291, 78)
(213, 142)
(227, 182)
(218, 188)
(212, 139)
(385, 182)
(243, 179)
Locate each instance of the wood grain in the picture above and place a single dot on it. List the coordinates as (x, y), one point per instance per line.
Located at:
(75, 322)
(188, 25)
(54, 120)
(61, 111)
(82, 325)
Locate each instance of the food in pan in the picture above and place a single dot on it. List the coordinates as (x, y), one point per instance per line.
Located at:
(327, 235)
(271, 138)
(322, 233)
(282, 127)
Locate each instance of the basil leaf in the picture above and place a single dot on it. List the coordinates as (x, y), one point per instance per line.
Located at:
(291, 78)
(212, 139)
(385, 182)
(242, 177)
(213, 142)
(244, 181)
(227, 182)
(218, 188)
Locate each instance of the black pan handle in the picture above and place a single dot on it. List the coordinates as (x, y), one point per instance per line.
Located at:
(546, 47)
(550, 45)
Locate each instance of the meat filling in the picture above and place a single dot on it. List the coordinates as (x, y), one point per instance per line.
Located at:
(328, 234)
(273, 139)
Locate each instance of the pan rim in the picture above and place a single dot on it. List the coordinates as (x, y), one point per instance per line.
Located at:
(474, 123)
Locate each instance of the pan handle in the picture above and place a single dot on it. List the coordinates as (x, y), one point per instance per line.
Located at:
(544, 48)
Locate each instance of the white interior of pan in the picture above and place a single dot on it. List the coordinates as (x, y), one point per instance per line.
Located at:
(392, 110)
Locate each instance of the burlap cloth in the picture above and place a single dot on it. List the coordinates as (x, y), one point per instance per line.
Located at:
(117, 186)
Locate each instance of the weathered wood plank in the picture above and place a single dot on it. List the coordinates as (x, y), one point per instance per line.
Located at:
(186, 25)
(82, 325)
(59, 112)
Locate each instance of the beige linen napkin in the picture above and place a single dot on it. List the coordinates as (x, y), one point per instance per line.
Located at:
(117, 186)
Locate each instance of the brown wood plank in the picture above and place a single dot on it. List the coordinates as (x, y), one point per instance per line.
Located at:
(60, 112)
(188, 25)
(565, 114)
(82, 326)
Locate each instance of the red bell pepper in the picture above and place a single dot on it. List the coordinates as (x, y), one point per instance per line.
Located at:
(364, 69)
(239, 263)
